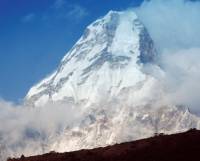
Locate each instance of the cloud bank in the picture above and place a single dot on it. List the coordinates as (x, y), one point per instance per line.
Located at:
(174, 26)
(28, 130)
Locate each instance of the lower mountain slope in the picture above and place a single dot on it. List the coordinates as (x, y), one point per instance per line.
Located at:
(177, 147)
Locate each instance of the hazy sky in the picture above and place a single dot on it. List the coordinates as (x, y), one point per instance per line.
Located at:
(36, 34)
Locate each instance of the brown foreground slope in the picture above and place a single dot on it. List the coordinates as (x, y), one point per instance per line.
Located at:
(176, 147)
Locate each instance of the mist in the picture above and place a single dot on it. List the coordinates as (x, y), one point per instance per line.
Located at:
(172, 24)
(27, 130)
(175, 29)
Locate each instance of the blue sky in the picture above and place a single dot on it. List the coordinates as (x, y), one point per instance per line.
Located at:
(36, 34)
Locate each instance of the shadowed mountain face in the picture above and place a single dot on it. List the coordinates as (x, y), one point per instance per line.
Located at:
(176, 147)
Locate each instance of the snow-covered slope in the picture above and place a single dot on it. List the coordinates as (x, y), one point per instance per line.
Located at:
(105, 60)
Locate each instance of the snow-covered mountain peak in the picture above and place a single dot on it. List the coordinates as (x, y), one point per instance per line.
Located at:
(104, 77)
(117, 30)
(105, 60)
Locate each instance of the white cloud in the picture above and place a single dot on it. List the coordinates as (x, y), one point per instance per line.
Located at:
(60, 10)
(71, 11)
(78, 12)
(175, 28)
(173, 24)
(28, 18)
(182, 77)
(59, 4)
(26, 130)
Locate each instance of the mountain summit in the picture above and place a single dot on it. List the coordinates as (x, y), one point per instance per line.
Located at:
(105, 60)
